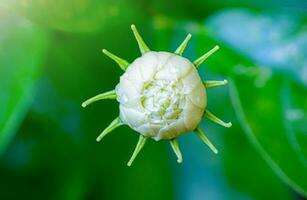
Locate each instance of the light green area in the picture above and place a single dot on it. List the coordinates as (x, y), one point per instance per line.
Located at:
(22, 48)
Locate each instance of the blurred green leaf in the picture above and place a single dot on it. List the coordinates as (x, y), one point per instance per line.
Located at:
(22, 47)
(263, 121)
(276, 40)
(260, 4)
(247, 171)
(78, 15)
(294, 104)
(257, 89)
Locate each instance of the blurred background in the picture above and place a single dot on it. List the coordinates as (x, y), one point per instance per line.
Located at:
(51, 61)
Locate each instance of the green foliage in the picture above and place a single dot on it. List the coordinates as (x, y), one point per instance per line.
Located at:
(77, 15)
(22, 47)
(262, 93)
(49, 65)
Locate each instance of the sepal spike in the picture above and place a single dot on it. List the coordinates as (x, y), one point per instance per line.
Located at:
(106, 95)
(217, 120)
(175, 147)
(113, 125)
(183, 45)
(209, 84)
(142, 45)
(201, 59)
(138, 148)
(123, 64)
(204, 138)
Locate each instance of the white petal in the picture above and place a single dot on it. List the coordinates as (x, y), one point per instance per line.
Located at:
(175, 91)
(145, 130)
(173, 130)
(127, 93)
(174, 68)
(192, 115)
(147, 65)
(133, 74)
(198, 96)
(191, 80)
(132, 117)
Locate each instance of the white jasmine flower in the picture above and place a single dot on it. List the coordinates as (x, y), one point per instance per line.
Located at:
(161, 96)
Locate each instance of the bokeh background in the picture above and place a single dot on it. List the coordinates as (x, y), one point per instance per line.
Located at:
(51, 60)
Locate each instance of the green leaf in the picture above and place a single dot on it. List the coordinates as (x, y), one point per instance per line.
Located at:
(78, 15)
(247, 171)
(262, 119)
(275, 40)
(294, 106)
(274, 45)
(21, 49)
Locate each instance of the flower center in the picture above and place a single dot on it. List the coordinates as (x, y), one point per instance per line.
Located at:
(163, 101)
